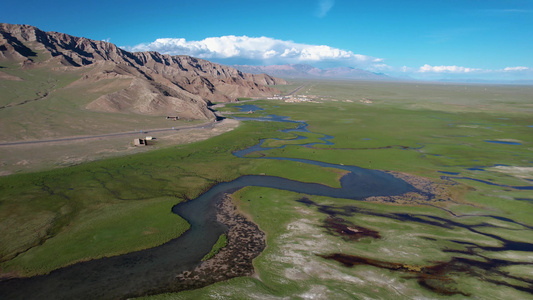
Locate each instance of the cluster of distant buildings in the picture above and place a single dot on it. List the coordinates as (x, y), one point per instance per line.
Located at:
(278, 97)
(296, 98)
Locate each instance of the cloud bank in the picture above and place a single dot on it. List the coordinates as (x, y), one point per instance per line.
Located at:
(232, 50)
(462, 70)
(520, 68)
(459, 72)
(446, 69)
(258, 50)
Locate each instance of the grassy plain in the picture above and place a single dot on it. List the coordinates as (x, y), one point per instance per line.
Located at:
(420, 129)
(424, 130)
(44, 209)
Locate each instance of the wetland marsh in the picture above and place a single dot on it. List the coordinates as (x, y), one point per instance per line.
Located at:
(449, 231)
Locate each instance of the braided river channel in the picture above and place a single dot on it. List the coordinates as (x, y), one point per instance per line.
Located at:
(154, 270)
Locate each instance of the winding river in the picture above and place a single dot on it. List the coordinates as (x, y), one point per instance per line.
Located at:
(154, 270)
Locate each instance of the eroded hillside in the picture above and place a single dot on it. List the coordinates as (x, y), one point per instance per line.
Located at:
(108, 79)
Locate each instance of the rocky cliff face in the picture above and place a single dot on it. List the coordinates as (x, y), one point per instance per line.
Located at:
(158, 84)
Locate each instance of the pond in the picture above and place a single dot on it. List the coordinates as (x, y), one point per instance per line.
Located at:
(503, 142)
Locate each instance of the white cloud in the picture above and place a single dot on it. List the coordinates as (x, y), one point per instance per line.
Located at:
(462, 70)
(406, 69)
(508, 69)
(323, 7)
(233, 50)
(429, 72)
(261, 50)
(446, 69)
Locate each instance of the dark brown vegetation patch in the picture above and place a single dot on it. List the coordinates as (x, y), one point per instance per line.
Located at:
(347, 230)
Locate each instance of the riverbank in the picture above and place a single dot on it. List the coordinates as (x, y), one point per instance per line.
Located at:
(429, 192)
(39, 239)
(245, 242)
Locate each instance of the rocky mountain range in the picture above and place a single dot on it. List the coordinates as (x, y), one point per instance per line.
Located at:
(306, 71)
(136, 82)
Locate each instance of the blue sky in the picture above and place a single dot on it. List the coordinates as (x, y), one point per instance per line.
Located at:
(425, 39)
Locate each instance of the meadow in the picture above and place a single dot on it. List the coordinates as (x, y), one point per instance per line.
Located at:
(472, 240)
(473, 243)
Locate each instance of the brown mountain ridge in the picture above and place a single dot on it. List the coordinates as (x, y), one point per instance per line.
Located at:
(134, 82)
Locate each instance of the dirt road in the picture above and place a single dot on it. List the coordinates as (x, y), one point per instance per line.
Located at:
(29, 156)
(207, 125)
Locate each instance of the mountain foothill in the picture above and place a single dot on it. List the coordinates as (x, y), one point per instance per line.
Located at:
(119, 81)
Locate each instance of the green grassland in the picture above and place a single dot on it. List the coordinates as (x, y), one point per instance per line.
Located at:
(408, 128)
(45, 209)
(417, 129)
(103, 230)
(289, 266)
(293, 269)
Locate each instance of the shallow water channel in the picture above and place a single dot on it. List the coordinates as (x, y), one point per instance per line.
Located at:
(153, 270)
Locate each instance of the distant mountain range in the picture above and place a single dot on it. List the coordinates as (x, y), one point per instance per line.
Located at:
(121, 81)
(306, 71)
